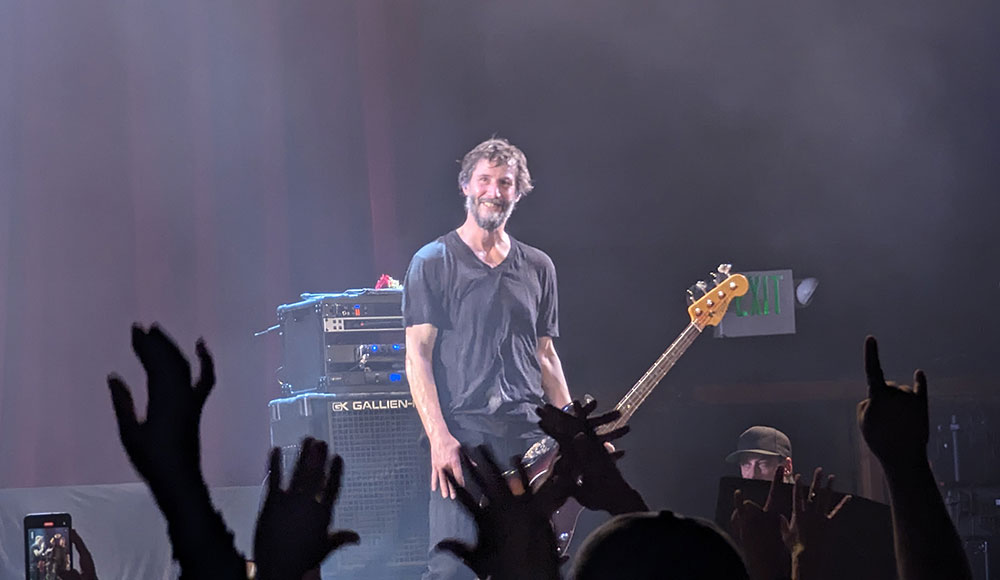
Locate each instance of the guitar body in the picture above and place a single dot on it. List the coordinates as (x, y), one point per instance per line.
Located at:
(537, 460)
(564, 524)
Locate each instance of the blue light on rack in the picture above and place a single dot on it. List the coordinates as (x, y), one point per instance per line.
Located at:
(395, 377)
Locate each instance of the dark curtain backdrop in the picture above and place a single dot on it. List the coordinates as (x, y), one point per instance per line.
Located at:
(185, 162)
(200, 163)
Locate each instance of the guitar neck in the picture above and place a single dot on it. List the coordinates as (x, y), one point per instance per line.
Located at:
(645, 385)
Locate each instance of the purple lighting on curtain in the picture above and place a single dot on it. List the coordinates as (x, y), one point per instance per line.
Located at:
(183, 163)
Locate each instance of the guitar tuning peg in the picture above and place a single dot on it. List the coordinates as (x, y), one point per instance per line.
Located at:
(695, 292)
(724, 269)
(715, 278)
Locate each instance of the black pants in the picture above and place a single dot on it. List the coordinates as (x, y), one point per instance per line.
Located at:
(448, 517)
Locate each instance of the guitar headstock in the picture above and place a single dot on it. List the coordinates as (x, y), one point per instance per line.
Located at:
(711, 307)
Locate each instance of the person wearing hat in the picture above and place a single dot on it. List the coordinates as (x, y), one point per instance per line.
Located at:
(759, 452)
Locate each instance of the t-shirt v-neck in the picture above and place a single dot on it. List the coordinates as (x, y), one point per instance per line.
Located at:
(468, 254)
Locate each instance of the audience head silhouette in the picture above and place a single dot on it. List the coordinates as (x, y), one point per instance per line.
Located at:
(659, 545)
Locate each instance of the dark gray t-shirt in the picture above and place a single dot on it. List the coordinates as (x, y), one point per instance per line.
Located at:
(488, 321)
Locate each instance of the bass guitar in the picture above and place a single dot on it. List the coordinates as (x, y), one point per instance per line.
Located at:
(705, 311)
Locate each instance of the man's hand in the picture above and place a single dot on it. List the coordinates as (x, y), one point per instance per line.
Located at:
(811, 513)
(515, 538)
(446, 458)
(758, 531)
(585, 468)
(165, 445)
(292, 534)
(894, 419)
(87, 569)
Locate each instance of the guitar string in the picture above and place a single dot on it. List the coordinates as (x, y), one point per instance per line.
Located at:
(645, 385)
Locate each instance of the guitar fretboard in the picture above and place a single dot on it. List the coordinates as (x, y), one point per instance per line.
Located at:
(645, 385)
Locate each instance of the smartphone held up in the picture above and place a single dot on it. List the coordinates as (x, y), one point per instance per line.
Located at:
(47, 548)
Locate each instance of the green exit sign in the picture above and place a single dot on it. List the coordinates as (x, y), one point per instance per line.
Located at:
(767, 308)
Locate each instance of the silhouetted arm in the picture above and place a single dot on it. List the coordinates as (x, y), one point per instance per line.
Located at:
(166, 451)
(894, 423)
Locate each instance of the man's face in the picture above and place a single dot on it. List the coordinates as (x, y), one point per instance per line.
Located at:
(757, 466)
(490, 195)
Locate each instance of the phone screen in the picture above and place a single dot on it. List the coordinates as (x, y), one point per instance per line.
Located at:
(48, 552)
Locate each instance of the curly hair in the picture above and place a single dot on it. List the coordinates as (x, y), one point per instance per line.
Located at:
(498, 151)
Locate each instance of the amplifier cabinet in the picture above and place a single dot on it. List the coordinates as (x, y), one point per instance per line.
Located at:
(343, 342)
(386, 482)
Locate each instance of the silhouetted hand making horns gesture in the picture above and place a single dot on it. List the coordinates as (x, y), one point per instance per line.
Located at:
(894, 422)
(894, 419)
(293, 534)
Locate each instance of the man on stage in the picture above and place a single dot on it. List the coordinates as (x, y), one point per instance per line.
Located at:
(480, 310)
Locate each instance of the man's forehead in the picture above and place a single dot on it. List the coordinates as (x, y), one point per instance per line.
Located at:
(485, 165)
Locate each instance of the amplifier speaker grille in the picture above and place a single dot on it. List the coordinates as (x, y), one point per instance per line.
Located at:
(385, 489)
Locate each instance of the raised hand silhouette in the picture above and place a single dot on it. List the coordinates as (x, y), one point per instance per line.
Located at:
(293, 535)
(807, 532)
(809, 524)
(895, 425)
(165, 449)
(894, 418)
(165, 445)
(515, 539)
(757, 529)
(586, 467)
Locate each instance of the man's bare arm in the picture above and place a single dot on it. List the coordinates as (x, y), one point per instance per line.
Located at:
(553, 379)
(420, 339)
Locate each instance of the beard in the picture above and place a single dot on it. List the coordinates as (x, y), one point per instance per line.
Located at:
(493, 220)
